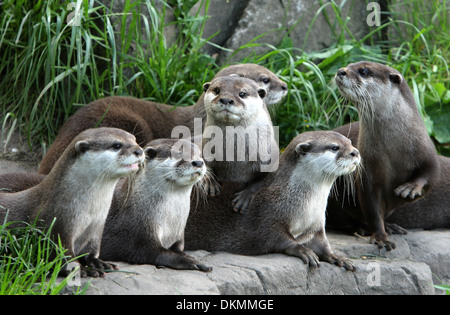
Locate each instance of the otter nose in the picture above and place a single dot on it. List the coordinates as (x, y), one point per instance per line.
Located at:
(354, 153)
(284, 87)
(197, 163)
(138, 152)
(226, 101)
(342, 73)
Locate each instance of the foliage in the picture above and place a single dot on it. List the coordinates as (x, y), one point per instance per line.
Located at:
(30, 261)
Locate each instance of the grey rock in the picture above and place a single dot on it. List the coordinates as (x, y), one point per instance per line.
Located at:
(277, 19)
(432, 248)
(378, 272)
(223, 17)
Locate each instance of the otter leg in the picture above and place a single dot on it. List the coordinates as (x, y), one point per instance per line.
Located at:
(283, 242)
(321, 247)
(176, 260)
(372, 209)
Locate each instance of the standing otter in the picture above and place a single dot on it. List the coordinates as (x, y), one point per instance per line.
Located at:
(78, 193)
(146, 222)
(243, 148)
(429, 212)
(289, 214)
(400, 160)
(148, 120)
(432, 211)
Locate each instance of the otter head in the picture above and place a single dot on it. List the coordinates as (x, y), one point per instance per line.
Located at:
(232, 100)
(109, 152)
(373, 87)
(176, 161)
(266, 79)
(323, 155)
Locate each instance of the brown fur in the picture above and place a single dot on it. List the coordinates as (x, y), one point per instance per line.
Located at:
(78, 193)
(400, 162)
(429, 212)
(137, 229)
(237, 103)
(148, 120)
(275, 222)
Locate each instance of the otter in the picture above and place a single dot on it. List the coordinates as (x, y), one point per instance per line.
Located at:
(429, 212)
(147, 218)
(243, 149)
(289, 214)
(148, 120)
(78, 193)
(400, 163)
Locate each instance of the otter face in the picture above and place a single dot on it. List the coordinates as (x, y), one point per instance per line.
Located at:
(368, 83)
(175, 160)
(264, 78)
(231, 100)
(327, 153)
(108, 152)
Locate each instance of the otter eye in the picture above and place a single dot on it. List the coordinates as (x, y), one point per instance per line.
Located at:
(364, 72)
(335, 148)
(116, 146)
(265, 80)
(242, 95)
(216, 91)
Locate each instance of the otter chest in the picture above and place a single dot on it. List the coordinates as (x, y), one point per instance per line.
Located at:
(308, 216)
(170, 219)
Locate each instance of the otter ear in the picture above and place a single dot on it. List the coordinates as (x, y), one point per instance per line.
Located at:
(150, 153)
(302, 148)
(262, 93)
(206, 86)
(81, 146)
(395, 78)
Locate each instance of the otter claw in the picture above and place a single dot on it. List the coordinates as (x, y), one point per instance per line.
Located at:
(408, 190)
(382, 242)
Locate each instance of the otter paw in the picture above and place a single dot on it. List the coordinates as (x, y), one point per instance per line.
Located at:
(305, 254)
(381, 241)
(212, 188)
(203, 268)
(95, 267)
(409, 190)
(242, 200)
(339, 261)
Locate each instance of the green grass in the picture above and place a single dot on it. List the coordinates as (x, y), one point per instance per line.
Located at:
(30, 261)
(446, 288)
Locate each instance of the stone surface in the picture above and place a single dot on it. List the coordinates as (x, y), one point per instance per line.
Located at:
(409, 269)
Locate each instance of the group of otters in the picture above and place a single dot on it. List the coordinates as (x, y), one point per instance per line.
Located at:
(117, 186)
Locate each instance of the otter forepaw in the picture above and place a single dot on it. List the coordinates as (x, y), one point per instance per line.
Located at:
(305, 254)
(95, 267)
(381, 241)
(409, 190)
(339, 261)
(242, 200)
(211, 187)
